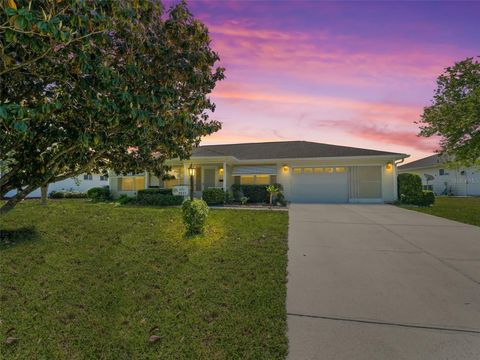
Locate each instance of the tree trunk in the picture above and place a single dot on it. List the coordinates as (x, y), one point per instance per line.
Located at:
(19, 196)
(44, 191)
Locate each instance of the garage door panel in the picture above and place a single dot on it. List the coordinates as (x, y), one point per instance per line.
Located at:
(319, 187)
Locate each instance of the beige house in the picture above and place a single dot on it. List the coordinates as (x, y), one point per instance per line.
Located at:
(308, 171)
(442, 178)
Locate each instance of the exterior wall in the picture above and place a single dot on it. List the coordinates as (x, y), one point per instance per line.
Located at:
(388, 187)
(467, 184)
(75, 184)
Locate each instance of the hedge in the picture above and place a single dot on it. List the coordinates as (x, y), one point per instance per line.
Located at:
(213, 196)
(155, 191)
(99, 194)
(410, 191)
(67, 194)
(157, 199)
(255, 193)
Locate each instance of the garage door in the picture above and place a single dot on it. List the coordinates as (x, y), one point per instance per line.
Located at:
(319, 184)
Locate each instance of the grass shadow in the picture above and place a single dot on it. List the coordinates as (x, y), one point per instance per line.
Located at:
(11, 237)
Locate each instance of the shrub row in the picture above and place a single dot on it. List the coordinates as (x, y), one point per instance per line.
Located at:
(67, 194)
(99, 194)
(214, 196)
(254, 193)
(411, 192)
(158, 199)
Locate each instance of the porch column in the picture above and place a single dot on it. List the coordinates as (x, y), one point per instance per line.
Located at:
(224, 176)
(185, 174)
(146, 180)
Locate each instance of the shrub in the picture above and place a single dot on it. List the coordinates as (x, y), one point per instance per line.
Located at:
(67, 194)
(124, 199)
(244, 200)
(213, 196)
(154, 191)
(194, 215)
(99, 193)
(426, 198)
(409, 187)
(255, 193)
(280, 199)
(228, 198)
(158, 199)
(56, 195)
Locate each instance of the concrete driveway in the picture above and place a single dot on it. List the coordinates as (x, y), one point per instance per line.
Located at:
(380, 282)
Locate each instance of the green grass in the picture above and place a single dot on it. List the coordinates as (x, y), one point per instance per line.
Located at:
(466, 210)
(93, 281)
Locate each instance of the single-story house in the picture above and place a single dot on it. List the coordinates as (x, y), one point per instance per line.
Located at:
(81, 184)
(440, 177)
(308, 171)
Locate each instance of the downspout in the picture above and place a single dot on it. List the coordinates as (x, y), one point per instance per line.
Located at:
(395, 180)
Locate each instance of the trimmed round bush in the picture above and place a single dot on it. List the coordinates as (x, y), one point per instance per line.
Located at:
(99, 194)
(427, 198)
(213, 196)
(194, 215)
(67, 194)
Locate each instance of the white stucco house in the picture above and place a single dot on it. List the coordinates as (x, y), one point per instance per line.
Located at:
(308, 171)
(444, 179)
(81, 184)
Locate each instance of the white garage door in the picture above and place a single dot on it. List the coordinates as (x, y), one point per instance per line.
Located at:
(319, 184)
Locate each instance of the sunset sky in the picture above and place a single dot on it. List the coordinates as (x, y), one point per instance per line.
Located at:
(347, 73)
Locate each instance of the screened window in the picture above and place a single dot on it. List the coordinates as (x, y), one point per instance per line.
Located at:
(318, 170)
(297, 170)
(131, 183)
(329, 170)
(308, 170)
(247, 180)
(340, 169)
(262, 179)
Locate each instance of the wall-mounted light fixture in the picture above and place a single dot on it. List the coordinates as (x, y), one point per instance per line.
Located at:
(285, 169)
(389, 166)
(220, 171)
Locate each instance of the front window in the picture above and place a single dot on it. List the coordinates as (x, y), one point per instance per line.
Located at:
(87, 177)
(255, 179)
(131, 183)
(441, 172)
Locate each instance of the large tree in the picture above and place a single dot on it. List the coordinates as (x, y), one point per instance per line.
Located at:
(455, 112)
(96, 84)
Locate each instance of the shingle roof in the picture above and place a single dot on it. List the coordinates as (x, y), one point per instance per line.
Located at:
(426, 162)
(285, 150)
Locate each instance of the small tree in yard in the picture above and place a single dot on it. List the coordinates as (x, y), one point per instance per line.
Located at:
(272, 191)
(90, 85)
(455, 112)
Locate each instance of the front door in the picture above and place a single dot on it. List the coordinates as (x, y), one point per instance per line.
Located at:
(208, 178)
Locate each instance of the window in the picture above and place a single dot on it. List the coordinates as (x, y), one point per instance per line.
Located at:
(340, 169)
(247, 180)
(428, 187)
(131, 183)
(297, 170)
(318, 170)
(262, 179)
(329, 170)
(255, 180)
(441, 172)
(308, 170)
(104, 178)
(87, 177)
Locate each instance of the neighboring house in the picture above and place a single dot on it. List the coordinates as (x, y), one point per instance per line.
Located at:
(441, 179)
(82, 183)
(308, 171)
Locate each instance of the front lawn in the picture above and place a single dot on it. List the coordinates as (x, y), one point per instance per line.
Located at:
(94, 281)
(466, 210)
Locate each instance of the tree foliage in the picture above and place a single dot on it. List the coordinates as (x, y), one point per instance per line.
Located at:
(455, 112)
(96, 84)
